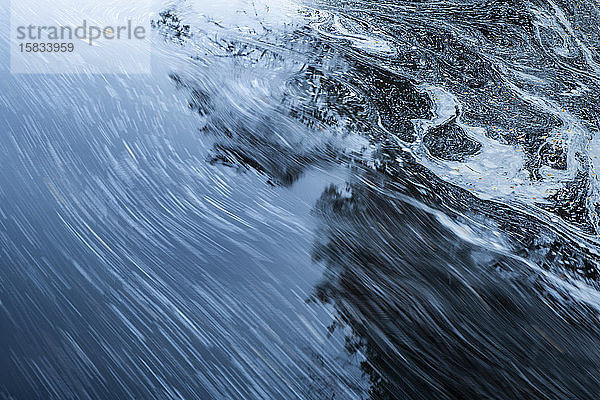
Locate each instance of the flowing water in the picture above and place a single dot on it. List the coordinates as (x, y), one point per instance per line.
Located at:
(319, 199)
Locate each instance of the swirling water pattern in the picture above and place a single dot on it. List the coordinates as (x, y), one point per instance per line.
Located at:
(327, 199)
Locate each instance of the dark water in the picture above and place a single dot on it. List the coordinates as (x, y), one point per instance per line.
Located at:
(318, 200)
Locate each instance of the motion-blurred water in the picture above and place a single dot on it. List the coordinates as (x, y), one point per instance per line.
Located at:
(314, 200)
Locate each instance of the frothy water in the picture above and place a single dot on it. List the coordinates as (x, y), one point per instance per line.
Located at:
(313, 200)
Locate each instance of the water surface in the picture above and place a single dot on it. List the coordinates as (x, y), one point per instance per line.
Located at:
(316, 200)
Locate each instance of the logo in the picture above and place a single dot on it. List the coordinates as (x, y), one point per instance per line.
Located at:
(80, 36)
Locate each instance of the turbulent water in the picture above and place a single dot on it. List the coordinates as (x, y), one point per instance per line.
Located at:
(327, 199)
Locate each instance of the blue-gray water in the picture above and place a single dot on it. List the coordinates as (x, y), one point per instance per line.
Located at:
(312, 200)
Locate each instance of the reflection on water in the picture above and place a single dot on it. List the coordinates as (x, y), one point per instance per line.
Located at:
(334, 199)
(442, 311)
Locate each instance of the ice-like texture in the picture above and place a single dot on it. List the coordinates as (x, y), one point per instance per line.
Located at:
(314, 200)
